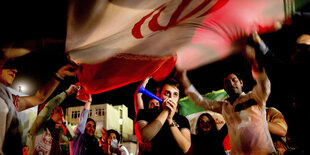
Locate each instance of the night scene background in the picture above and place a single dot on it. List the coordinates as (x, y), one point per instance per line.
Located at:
(41, 26)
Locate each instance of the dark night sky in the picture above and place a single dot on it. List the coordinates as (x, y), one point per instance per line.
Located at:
(35, 21)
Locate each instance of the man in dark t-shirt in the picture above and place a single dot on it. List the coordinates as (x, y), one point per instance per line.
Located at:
(168, 132)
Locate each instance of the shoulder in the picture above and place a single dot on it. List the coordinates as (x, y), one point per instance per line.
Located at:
(177, 116)
(145, 114)
(148, 112)
(182, 121)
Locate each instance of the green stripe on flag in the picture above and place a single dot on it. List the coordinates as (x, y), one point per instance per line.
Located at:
(187, 107)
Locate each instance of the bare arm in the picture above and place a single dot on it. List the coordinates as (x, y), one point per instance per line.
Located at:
(83, 117)
(50, 106)
(46, 112)
(43, 93)
(262, 90)
(148, 131)
(182, 137)
(276, 129)
(138, 96)
(276, 122)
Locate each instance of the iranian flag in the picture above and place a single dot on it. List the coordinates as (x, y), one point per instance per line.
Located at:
(118, 42)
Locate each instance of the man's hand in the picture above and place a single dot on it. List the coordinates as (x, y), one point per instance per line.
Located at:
(72, 89)
(171, 106)
(250, 53)
(67, 70)
(183, 78)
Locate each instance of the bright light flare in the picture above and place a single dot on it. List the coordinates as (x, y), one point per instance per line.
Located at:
(22, 88)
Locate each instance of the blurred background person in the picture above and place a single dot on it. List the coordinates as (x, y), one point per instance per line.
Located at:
(113, 146)
(44, 137)
(208, 139)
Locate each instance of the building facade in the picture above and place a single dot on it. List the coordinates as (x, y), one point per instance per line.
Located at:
(106, 116)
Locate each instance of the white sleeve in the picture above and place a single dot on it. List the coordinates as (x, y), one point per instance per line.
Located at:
(261, 90)
(202, 102)
(124, 150)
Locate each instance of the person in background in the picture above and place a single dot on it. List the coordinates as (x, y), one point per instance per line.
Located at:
(85, 142)
(10, 105)
(103, 138)
(277, 128)
(168, 132)
(113, 146)
(289, 61)
(208, 139)
(44, 138)
(153, 103)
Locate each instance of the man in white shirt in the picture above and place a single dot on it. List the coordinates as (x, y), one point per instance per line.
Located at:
(244, 113)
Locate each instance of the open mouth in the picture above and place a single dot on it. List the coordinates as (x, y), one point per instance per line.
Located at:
(12, 75)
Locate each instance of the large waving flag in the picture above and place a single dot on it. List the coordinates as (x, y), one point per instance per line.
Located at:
(117, 42)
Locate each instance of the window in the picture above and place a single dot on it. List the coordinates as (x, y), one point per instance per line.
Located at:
(99, 112)
(72, 115)
(75, 114)
(90, 113)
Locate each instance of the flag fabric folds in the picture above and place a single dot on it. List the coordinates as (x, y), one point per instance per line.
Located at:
(141, 38)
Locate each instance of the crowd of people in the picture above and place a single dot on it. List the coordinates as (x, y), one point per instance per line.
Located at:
(50, 133)
(252, 125)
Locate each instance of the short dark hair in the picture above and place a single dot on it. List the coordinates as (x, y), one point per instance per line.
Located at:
(118, 137)
(170, 81)
(90, 119)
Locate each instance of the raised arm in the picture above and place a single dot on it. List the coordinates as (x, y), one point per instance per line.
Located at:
(46, 112)
(262, 90)
(49, 108)
(138, 96)
(195, 96)
(43, 93)
(83, 117)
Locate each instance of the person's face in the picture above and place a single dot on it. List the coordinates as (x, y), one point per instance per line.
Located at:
(7, 76)
(170, 92)
(153, 103)
(232, 85)
(57, 115)
(90, 128)
(111, 137)
(205, 124)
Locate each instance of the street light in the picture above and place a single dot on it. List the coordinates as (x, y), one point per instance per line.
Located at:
(22, 88)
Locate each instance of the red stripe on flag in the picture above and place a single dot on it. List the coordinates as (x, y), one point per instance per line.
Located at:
(123, 69)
